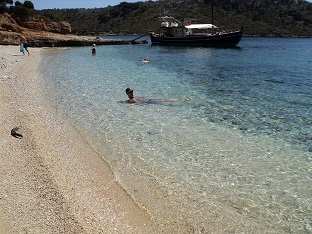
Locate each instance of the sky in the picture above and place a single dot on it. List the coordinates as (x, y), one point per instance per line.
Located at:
(51, 4)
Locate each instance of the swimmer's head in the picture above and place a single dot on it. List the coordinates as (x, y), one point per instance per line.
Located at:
(129, 92)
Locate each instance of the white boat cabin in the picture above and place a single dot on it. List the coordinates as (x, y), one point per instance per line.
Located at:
(171, 27)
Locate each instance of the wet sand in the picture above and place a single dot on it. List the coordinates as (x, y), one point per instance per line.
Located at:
(51, 180)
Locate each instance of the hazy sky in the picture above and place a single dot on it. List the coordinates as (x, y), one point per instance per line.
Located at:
(51, 4)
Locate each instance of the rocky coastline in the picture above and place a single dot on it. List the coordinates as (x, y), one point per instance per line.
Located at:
(40, 32)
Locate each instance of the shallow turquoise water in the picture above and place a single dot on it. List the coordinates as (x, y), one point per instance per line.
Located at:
(236, 157)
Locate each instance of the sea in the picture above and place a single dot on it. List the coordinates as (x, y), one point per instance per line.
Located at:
(233, 153)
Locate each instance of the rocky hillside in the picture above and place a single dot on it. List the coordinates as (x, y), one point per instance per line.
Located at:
(42, 24)
(12, 26)
(40, 31)
(288, 18)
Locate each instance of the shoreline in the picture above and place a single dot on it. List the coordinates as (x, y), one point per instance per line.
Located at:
(52, 180)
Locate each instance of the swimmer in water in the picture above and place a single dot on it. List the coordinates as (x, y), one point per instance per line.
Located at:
(145, 60)
(143, 100)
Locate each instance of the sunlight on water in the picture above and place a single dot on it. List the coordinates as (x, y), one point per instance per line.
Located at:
(236, 157)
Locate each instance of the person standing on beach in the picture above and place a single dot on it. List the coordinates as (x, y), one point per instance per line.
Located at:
(23, 45)
(93, 49)
(26, 46)
(22, 49)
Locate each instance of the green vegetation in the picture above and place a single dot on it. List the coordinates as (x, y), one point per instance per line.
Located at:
(26, 8)
(5, 2)
(3, 5)
(259, 17)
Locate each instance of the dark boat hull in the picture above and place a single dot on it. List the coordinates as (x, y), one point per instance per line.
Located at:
(225, 40)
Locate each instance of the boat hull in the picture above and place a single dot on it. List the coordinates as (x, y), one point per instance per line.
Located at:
(225, 40)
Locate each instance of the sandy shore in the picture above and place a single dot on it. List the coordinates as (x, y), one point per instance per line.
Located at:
(51, 180)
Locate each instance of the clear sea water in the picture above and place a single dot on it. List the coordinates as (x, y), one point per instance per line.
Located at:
(236, 158)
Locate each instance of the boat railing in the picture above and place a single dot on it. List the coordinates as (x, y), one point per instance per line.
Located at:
(169, 24)
(169, 21)
(164, 24)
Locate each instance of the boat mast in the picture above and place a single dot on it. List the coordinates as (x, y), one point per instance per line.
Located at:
(212, 12)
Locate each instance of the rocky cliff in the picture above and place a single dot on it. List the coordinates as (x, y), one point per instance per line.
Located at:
(12, 26)
(42, 32)
(42, 24)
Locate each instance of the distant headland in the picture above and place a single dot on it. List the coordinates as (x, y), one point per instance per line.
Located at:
(41, 32)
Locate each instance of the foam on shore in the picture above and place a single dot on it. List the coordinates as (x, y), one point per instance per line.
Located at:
(51, 180)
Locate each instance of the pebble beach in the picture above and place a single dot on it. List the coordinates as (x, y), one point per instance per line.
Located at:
(80, 159)
(51, 180)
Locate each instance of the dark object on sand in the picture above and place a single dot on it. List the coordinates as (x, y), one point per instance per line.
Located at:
(15, 134)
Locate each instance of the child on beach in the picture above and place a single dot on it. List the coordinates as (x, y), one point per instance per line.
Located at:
(23, 45)
(26, 47)
(22, 49)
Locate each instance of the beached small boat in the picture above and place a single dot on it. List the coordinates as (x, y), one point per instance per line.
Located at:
(174, 32)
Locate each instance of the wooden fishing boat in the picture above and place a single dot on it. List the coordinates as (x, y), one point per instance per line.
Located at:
(187, 33)
(173, 32)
